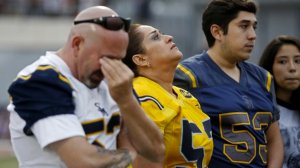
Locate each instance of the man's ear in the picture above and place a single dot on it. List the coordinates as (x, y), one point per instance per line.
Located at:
(76, 43)
(216, 31)
(140, 60)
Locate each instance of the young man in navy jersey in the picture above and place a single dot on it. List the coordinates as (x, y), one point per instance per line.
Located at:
(237, 95)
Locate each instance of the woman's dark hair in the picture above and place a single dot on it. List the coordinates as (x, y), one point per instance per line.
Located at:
(267, 59)
(295, 98)
(221, 12)
(134, 47)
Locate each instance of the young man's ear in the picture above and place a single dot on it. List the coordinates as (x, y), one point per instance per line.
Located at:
(216, 31)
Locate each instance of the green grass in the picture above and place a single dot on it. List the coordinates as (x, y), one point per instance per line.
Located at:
(8, 162)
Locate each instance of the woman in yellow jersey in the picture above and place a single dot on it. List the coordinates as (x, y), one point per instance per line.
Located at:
(153, 57)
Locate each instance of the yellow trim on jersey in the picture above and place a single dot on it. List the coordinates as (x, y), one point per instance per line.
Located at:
(100, 121)
(63, 78)
(60, 76)
(187, 72)
(92, 121)
(269, 80)
(24, 77)
(44, 68)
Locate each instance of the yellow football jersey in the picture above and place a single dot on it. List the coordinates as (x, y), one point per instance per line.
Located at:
(186, 129)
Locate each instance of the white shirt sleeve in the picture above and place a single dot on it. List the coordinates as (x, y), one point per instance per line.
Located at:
(55, 128)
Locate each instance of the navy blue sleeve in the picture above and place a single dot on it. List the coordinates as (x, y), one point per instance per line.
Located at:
(42, 94)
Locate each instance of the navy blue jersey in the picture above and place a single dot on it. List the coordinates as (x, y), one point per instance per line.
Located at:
(240, 112)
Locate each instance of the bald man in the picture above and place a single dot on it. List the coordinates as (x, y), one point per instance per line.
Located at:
(75, 107)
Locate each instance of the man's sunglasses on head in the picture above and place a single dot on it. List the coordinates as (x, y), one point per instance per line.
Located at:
(109, 22)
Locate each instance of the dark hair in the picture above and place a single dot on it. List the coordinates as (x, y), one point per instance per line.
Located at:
(267, 59)
(134, 47)
(268, 56)
(295, 98)
(221, 12)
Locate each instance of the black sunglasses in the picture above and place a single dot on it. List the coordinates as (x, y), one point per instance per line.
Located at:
(109, 22)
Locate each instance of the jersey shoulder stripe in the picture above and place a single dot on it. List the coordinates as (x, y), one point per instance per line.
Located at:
(188, 74)
(45, 68)
(262, 75)
(150, 98)
(32, 93)
(194, 72)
